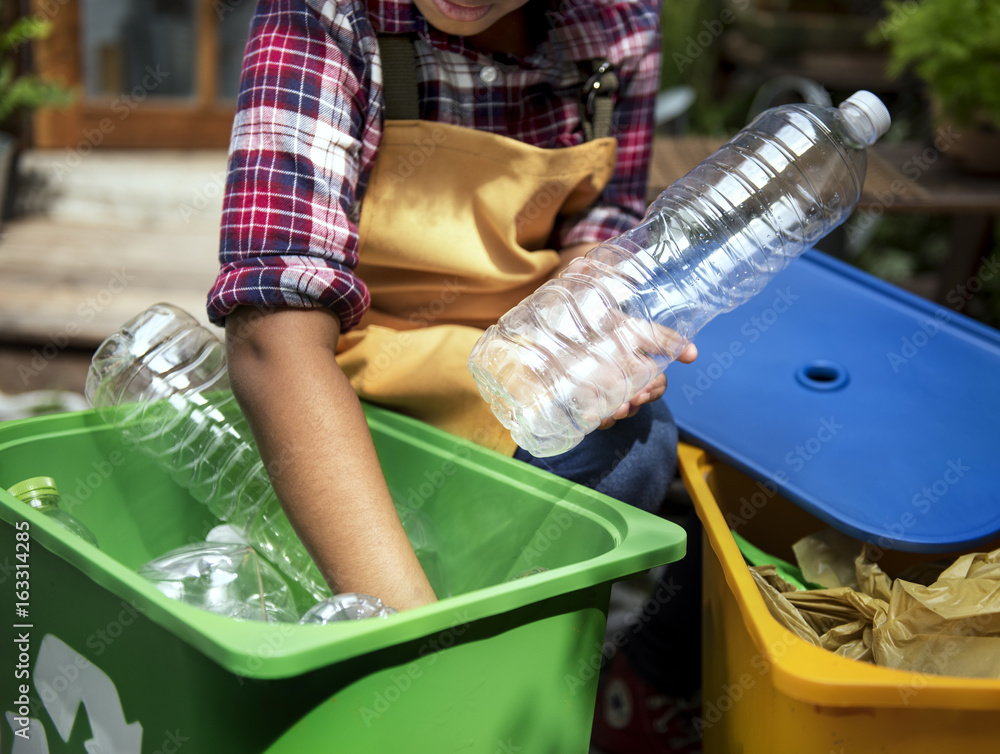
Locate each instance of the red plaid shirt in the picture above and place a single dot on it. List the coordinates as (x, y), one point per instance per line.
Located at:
(309, 121)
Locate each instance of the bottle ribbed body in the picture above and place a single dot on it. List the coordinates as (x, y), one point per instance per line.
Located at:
(585, 343)
(161, 381)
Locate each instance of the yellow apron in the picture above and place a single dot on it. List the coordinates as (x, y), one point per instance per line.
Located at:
(452, 234)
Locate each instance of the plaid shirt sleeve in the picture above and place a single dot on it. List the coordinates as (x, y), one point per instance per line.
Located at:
(622, 204)
(306, 130)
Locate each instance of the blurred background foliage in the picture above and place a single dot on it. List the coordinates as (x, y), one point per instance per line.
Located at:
(726, 50)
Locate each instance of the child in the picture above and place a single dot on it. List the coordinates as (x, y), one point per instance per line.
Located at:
(401, 174)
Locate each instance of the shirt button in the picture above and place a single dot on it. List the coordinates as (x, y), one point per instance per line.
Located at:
(489, 74)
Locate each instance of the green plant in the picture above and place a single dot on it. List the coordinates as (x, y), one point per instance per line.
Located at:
(692, 31)
(25, 92)
(954, 47)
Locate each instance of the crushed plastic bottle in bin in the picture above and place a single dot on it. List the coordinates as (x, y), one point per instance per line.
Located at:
(583, 344)
(226, 578)
(42, 494)
(347, 607)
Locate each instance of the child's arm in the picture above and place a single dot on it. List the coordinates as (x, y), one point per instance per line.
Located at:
(303, 135)
(316, 446)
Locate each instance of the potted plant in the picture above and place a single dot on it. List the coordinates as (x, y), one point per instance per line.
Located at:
(953, 46)
(20, 93)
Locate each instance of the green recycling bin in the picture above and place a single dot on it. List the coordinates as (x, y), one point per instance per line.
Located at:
(102, 661)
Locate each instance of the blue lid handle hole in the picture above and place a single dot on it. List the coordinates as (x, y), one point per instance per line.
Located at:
(822, 375)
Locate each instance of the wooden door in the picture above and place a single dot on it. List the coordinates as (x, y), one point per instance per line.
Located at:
(147, 73)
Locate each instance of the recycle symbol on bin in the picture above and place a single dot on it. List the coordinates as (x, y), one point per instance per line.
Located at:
(64, 680)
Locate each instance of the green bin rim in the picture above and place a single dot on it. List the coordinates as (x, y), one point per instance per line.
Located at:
(642, 541)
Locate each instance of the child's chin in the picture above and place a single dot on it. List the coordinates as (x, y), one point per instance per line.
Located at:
(460, 20)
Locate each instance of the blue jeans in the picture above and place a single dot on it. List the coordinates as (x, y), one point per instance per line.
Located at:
(634, 461)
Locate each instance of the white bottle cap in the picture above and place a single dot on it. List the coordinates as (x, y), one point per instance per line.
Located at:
(873, 107)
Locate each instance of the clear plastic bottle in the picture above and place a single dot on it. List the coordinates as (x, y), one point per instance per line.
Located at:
(584, 344)
(227, 578)
(345, 607)
(162, 381)
(41, 493)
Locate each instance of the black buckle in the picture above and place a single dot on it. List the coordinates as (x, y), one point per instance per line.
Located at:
(592, 89)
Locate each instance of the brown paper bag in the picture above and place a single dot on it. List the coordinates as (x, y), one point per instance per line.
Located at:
(949, 627)
(838, 620)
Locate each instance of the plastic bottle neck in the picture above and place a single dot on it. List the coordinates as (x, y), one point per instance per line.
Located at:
(859, 123)
(41, 503)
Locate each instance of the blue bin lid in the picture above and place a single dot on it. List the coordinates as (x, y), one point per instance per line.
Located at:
(873, 409)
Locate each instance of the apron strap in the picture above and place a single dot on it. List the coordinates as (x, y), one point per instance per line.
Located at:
(402, 98)
(399, 77)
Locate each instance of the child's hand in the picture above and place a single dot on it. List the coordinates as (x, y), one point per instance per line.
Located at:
(652, 392)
